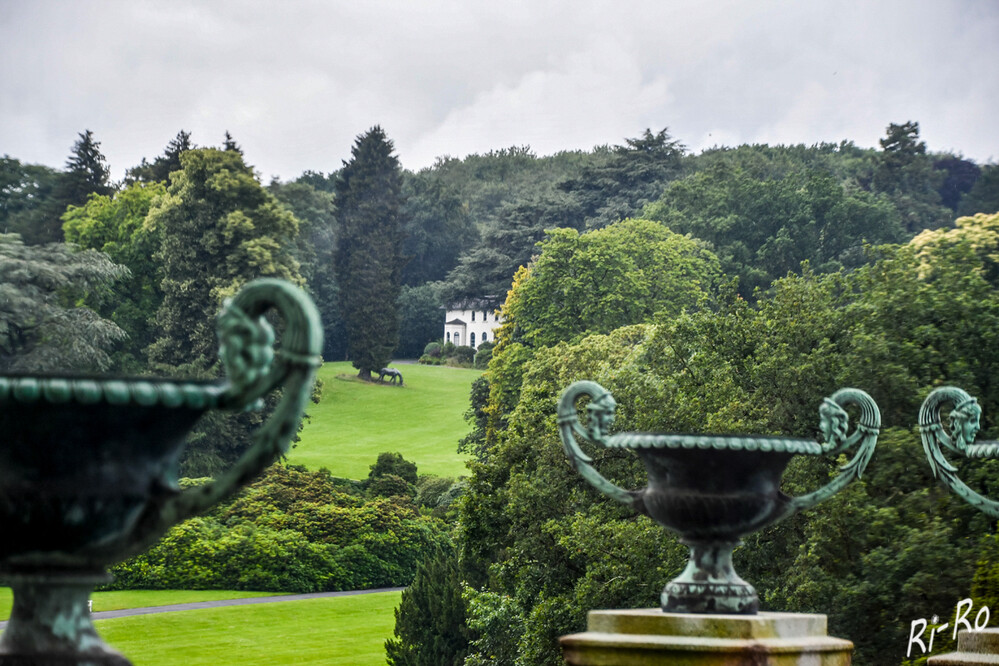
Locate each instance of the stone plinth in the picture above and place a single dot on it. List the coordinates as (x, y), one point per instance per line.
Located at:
(649, 636)
(973, 647)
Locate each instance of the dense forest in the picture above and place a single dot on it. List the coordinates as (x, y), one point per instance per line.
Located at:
(725, 291)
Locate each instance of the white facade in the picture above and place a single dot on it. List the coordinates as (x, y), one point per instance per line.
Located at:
(471, 323)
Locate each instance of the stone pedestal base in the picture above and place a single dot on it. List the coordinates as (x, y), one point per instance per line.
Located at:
(973, 647)
(649, 636)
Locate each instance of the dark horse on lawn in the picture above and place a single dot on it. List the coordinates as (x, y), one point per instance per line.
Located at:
(392, 374)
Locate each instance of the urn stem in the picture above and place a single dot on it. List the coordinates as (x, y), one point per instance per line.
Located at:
(710, 584)
(50, 622)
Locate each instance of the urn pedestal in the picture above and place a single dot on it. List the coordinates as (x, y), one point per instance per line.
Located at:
(973, 647)
(643, 637)
(712, 490)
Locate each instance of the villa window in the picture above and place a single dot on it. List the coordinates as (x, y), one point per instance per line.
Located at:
(471, 339)
(473, 315)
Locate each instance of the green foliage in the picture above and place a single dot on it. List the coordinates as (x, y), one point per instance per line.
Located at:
(633, 176)
(159, 170)
(219, 229)
(368, 259)
(290, 531)
(984, 194)
(43, 326)
(540, 547)
(604, 279)
(314, 249)
(438, 228)
(907, 175)
(395, 464)
(430, 620)
(761, 229)
(483, 355)
(420, 317)
(116, 226)
(28, 205)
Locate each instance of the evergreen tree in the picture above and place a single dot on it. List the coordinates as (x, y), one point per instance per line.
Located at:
(219, 229)
(42, 326)
(87, 171)
(230, 144)
(430, 621)
(984, 194)
(905, 173)
(161, 168)
(368, 259)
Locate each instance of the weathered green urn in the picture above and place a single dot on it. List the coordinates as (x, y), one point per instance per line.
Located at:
(89, 466)
(713, 490)
(958, 437)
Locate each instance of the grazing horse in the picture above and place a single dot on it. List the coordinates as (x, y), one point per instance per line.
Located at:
(391, 373)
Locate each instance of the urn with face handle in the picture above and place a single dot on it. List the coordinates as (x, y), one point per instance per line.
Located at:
(89, 466)
(959, 438)
(714, 489)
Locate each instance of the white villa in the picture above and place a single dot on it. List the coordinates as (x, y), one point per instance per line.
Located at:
(471, 323)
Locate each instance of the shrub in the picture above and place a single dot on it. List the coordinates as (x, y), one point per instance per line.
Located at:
(464, 355)
(483, 355)
(433, 349)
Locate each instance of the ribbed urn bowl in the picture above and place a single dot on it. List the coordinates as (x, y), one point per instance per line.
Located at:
(89, 467)
(713, 486)
(712, 490)
(68, 503)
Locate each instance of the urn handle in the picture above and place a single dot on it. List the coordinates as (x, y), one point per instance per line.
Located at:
(601, 416)
(834, 425)
(965, 422)
(254, 369)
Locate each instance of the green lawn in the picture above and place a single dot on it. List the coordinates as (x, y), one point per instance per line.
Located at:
(349, 631)
(356, 421)
(105, 601)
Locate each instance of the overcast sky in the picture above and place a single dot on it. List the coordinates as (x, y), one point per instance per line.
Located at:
(295, 81)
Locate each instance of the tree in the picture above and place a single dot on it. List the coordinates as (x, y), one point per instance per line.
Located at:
(314, 249)
(960, 176)
(420, 318)
(42, 329)
(160, 169)
(763, 228)
(595, 282)
(27, 200)
(438, 229)
(430, 620)
(116, 226)
(219, 229)
(906, 174)
(634, 176)
(984, 194)
(368, 260)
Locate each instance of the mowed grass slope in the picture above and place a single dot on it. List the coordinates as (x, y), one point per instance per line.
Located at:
(338, 631)
(117, 600)
(423, 420)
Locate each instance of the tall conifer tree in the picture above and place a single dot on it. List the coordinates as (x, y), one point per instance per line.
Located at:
(368, 260)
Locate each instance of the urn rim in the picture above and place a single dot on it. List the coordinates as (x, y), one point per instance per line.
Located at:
(29, 389)
(716, 442)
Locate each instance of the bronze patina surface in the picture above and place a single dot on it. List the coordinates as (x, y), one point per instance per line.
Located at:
(88, 467)
(714, 489)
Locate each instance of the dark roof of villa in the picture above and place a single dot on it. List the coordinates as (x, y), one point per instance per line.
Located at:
(483, 303)
(454, 322)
